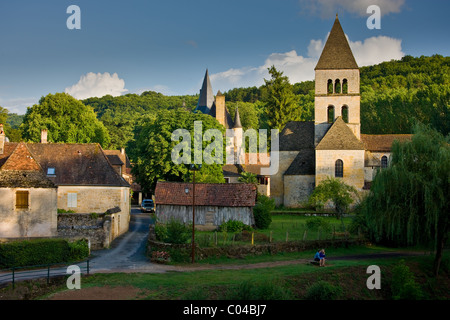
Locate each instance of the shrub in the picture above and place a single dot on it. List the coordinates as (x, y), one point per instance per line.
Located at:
(41, 251)
(323, 290)
(314, 223)
(234, 226)
(261, 212)
(160, 232)
(404, 286)
(177, 232)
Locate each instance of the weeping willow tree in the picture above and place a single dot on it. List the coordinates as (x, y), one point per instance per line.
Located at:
(409, 201)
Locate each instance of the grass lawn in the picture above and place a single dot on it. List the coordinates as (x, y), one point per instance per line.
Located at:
(290, 282)
(283, 227)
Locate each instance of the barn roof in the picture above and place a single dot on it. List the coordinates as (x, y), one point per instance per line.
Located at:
(206, 194)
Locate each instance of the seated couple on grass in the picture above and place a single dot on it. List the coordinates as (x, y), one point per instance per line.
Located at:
(320, 257)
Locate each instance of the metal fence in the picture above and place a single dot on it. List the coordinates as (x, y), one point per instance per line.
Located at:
(14, 274)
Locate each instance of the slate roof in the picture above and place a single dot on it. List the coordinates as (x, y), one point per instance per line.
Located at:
(303, 164)
(336, 53)
(340, 137)
(206, 194)
(206, 98)
(237, 120)
(382, 142)
(297, 135)
(75, 164)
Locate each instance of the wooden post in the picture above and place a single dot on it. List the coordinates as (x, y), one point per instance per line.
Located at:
(287, 235)
(253, 238)
(215, 237)
(270, 238)
(305, 235)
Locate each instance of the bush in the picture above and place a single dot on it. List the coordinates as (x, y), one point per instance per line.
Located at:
(404, 286)
(177, 232)
(160, 232)
(249, 290)
(323, 290)
(41, 251)
(261, 212)
(234, 226)
(314, 223)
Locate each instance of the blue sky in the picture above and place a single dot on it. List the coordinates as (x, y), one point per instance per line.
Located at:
(133, 46)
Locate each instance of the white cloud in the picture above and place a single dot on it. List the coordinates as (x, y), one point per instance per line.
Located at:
(328, 8)
(97, 85)
(371, 51)
(18, 105)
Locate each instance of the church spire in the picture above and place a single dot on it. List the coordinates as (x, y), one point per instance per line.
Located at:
(206, 99)
(337, 53)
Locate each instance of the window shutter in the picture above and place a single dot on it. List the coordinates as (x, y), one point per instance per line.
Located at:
(72, 200)
(22, 199)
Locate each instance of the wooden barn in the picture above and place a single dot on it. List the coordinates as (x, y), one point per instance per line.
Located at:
(214, 203)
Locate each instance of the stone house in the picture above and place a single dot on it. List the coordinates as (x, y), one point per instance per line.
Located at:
(331, 145)
(214, 203)
(75, 177)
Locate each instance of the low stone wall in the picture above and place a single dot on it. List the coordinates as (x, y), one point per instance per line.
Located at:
(95, 227)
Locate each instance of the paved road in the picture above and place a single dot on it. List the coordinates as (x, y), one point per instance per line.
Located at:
(127, 252)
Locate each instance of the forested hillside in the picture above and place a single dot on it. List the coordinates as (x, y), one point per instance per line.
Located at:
(394, 95)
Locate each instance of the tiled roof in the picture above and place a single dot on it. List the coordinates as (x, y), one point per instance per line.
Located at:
(382, 142)
(206, 194)
(21, 159)
(336, 53)
(297, 135)
(24, 179)
(340, 137)
(75, 164)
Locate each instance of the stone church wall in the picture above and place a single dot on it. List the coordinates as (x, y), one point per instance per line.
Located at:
(297, 189)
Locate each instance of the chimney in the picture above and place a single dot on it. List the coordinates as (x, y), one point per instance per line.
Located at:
(220, 108)
(2, 139)
(122, 150)
(44, 136)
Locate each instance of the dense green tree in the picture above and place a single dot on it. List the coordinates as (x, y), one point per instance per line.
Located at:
(153, 145)
(66, 119)
(409, 201)
(281, 102)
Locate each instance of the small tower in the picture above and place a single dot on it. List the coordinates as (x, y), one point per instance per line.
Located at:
(238, 136)
(336, 85)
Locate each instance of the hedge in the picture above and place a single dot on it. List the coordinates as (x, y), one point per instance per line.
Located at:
(41, 251)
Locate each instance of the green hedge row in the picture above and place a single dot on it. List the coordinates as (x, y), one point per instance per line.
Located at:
(41, 251)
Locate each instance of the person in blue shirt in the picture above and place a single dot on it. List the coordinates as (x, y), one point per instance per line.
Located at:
(322, 258)
(317, 256)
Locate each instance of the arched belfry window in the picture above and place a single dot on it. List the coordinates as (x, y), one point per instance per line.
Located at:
(337, 86)
(339, 168)
(344, 86)
(330, 114)
(344, 113)
(384, 162)
(330, 86)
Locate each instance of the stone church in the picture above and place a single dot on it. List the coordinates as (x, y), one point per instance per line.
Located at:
(332, 145)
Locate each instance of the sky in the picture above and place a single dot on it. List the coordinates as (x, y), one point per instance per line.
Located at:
(166, 46)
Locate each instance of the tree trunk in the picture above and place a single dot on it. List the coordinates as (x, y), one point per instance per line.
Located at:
(439, 250)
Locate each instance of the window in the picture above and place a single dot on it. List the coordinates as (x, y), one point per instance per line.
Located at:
(337, 86)
(384, 162)
(71, 200)
(344, 112)
(263, 180)
(330, 86)
(22, 198)
(227, 180)
(50, 171)
(330, 114)
(344, 86)
(339, 169)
